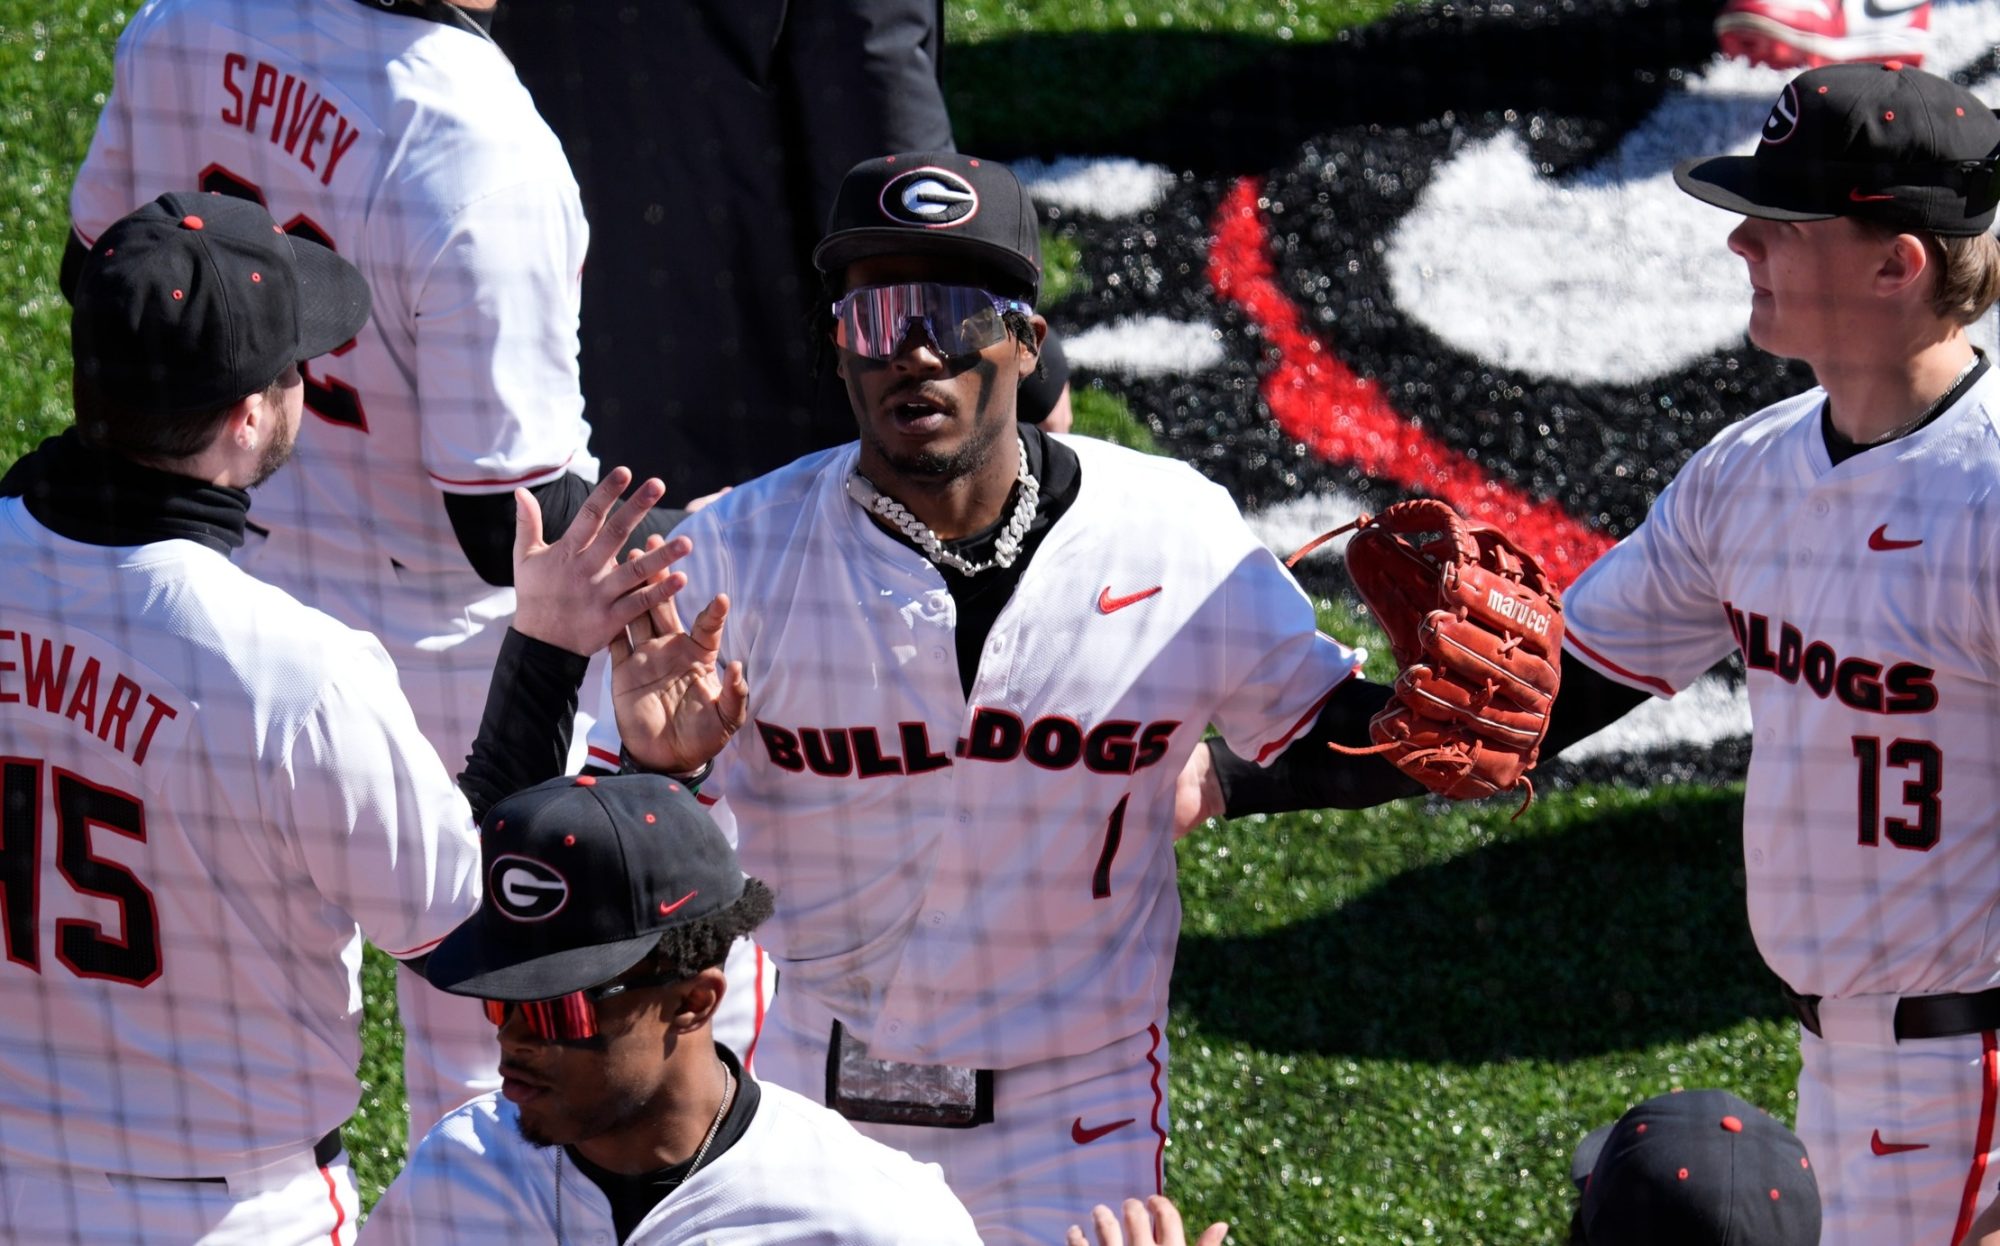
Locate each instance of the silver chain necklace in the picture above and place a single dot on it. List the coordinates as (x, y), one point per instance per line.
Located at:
(1006, 548)
(1929, 411)
(714, 1128)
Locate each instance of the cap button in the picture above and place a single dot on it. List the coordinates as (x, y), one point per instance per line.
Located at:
(1732, 1124)
(191, 222)
(1892, 64)
(1684, 1174)
(650, 819)
(586, 780)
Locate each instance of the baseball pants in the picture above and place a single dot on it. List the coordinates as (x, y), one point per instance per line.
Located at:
(291, 1203)
(1066, 1134)
(1901, 1136)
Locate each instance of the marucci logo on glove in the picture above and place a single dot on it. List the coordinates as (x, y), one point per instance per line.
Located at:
(1531, 619)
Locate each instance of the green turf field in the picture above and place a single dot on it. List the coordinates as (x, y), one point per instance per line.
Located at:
(1389, 1027)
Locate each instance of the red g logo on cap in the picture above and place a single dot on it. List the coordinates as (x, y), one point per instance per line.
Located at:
(931, 197)
(1784, 119)
(524, 889)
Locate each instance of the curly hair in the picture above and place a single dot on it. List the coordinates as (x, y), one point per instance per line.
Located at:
(686, 950)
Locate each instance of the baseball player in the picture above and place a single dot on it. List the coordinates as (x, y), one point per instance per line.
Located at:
(205, 786)
(397, 134)
(621, 1119)
(979, 657)
(1844, 543)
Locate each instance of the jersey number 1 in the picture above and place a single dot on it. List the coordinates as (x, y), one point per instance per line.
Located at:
(1920, 792)
(81, 806)
(329, 398)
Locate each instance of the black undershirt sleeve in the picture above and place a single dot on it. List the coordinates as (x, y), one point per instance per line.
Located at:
(1309, 775)
(1586, 704)
(484, 523)
(524, 733)
(525, 729)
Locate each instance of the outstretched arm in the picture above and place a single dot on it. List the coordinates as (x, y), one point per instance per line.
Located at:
(1310, 775)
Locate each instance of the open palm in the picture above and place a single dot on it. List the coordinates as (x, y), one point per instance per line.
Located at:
(676, 702)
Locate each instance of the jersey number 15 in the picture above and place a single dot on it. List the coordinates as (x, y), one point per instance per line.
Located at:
(130, 955)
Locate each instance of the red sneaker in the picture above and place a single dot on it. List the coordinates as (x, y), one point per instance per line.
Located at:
(1804, 34)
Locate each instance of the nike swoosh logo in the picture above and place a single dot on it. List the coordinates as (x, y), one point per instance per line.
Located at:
(666, 908)
(1084, 1137)
(1106, 603)
(1879, 540)
(1880, 1147)
(1855, 196)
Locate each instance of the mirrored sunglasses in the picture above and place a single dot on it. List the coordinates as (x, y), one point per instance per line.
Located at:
(874, 321)
(566, 1018)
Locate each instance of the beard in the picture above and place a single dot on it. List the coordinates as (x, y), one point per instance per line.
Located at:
(277, 452)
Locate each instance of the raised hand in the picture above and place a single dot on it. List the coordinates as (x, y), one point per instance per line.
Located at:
(675, 702)
(576, 593)
(1155, 1222)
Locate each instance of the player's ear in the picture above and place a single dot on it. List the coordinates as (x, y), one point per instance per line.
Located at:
(1905, 263)
(699, 997)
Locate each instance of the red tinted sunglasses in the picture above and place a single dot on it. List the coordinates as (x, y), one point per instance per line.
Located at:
(566, 1018)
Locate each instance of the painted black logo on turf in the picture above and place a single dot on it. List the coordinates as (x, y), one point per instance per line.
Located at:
(524, 889)
(931, 197)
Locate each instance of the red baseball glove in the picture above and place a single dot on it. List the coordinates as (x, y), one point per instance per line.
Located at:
(1476, 627)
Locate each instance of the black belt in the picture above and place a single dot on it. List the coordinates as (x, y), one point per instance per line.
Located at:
(325, 1151)
(1921, 1016)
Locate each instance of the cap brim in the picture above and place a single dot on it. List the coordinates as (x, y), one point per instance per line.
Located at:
(464, 964)
(334, 299)
(837, 251)
(1584, 1162)
(1732, 182)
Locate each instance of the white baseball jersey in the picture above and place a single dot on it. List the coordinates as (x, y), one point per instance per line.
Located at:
(1865, 600)
(207, 786)
(799, 1176)
(411, 148)
(989, 881)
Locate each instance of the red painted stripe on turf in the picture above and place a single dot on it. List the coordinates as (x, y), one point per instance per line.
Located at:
(1989, 1091)
(1159, 1101)
(1343, 417)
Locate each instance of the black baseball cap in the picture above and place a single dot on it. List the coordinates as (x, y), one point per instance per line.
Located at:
(196, 300)
(582, 877)
(935, 203)
(1696, 1168)
(1883, 143)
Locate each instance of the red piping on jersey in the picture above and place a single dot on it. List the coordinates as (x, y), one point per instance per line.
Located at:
(603, 757)
(757, 1025)
(339, 1212)
(1631, 677)
(511, 480)
(1310, 716)
(418, 950)
(1989, 1090)
(1159, 1101)
(1319, 400)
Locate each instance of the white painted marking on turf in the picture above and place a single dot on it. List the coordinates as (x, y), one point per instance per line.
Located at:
(1707, 711)
(1146, 346)
(1291, 523)
(1117, 186)
(1611, 275)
